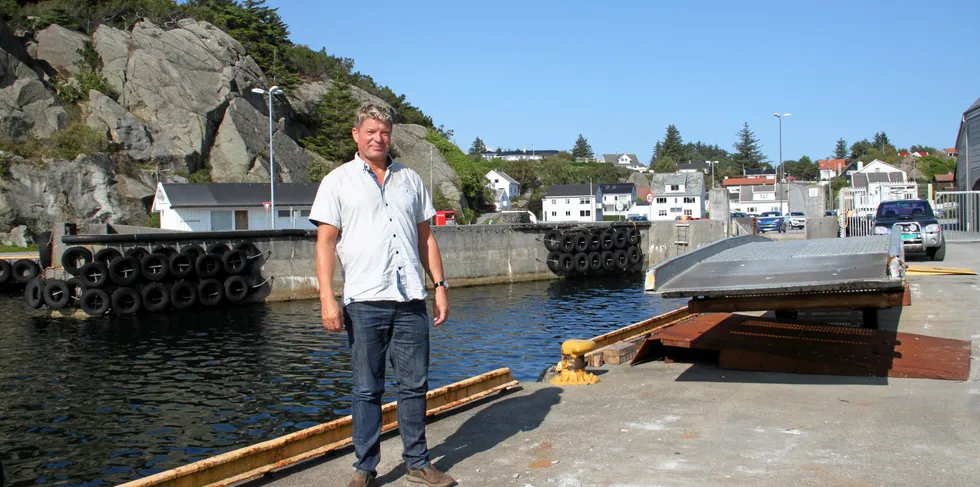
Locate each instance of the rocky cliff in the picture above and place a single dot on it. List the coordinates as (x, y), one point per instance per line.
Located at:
(182, 103)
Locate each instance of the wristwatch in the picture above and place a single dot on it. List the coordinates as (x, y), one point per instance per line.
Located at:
(441, 283)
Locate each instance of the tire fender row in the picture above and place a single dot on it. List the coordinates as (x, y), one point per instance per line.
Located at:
(157, 279)
(594, 251)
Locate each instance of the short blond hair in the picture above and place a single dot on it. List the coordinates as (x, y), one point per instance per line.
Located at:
(371, 110)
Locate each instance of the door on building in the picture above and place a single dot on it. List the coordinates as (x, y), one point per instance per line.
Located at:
(241, 220)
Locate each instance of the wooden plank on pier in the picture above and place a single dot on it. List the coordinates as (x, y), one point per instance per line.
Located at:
(253, 461)
(632, 332)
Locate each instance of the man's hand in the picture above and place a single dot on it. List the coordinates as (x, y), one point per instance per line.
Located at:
(330, 314)
(441, 308)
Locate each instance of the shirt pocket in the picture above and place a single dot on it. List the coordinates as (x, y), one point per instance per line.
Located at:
(403, 198)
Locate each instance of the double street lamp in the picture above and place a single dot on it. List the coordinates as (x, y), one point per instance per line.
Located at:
(272, 164)
(781, 169)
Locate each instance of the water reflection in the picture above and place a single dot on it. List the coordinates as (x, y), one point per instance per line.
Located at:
(108, 400)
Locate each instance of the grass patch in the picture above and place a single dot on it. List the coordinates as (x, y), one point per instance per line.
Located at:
(11, 248)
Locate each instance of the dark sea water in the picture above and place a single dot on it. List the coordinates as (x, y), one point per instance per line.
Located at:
(107, 400)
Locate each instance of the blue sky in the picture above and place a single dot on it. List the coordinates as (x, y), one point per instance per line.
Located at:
(521, 72)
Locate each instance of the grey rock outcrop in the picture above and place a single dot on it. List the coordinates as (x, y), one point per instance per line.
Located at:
(305, 97)
(16, 237)
(241, 148)
(421, 156)
(27, 106)
(58, 47)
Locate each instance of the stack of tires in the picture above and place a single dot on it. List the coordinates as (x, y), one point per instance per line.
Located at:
(125, 281)
(594, 251)
(18, 273)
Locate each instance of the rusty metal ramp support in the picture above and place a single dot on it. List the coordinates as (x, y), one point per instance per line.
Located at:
(767, 345)
(256, 460)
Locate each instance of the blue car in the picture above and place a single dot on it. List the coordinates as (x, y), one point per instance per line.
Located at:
(770, 221)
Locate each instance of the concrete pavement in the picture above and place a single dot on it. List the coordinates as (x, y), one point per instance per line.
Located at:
(660, 424)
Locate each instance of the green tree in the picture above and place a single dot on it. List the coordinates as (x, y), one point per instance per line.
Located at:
(672, 146)
(665, 164)
(477, 149)
(582, 148)
(860, 148)
(923, 148)
(881, 141)
(804, 169)
(748, 151)
(933, 165)
(840, 151)
(335, 119)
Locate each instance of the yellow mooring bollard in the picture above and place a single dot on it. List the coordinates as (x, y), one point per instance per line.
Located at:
(571, 369)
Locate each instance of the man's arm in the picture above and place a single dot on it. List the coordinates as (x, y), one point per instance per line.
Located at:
(431, 261)
(326, 258)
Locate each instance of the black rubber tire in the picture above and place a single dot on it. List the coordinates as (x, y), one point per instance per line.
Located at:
(595, 241)
(95, 302)
(939, 254)
(107, 255)
(581, 242)
(638, 267)
(23, 270)
(210, 292)
(633, 236)
(234, 262)
(566, 263)
(582, 262)
(619, 238)
(595, 262)
(608, 260)
(124, 271)
(125, 301)
(236, 289)
(164, 250)
(247, 248)
(552, 240)
(193, 250)
(607, 239)
(634, 255)
(94, 274)
(56, 293)
(553, 261)
(156, 297)
(74, 258)
(155, 267)
(622, 260)
(183, 294)
(44, 242)
(76, 286)
(137, 253)
(567, 243)
(208, 266)
(182, 265)
(34, 294)
(6, 272)
(218, 248)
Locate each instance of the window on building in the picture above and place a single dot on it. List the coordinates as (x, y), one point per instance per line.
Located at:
(495, 181)
(554, 201)
(663, 213)
(751, 209)
(554, 213)
(675, 187)
(304, 213)
(222, 220)
(675, 210)
(688, 199)
(567, 201)
(568, 213)
(661, 201)
(283, 213)
(688, 212)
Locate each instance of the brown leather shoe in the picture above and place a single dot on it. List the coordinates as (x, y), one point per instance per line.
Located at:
(362, 479)
(431, 476)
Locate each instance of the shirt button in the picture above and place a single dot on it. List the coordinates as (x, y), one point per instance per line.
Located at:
(396, 252)
(393, 235)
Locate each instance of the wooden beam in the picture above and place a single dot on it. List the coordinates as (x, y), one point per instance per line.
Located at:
(256, 460)
(798, 301)
(636, 330)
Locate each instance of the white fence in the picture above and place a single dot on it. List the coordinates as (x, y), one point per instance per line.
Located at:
(958, 213)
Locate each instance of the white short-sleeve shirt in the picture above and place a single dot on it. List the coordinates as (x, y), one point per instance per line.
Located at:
(378, 240)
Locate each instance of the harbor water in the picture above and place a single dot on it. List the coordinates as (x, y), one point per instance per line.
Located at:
(107, 400)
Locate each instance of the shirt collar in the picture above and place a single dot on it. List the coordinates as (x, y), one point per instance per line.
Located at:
(366, 166)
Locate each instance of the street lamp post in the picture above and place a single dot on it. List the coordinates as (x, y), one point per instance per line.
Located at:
(272, 162)
(781, 168)
(712, 164)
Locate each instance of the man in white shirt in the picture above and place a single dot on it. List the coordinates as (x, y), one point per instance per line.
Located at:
(373, 214)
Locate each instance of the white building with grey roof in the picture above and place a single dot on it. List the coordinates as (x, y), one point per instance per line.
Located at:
(504, 187)
(233, 206)
(677, 195)
(572, 203)
(625, 161)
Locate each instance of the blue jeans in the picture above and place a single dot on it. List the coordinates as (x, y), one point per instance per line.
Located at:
(374, 327)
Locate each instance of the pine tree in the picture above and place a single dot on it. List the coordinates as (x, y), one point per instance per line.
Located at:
(881, 141)
(748, 152)
(335, 119)
(672, 145)
(665, 164)
(582, 148)
(840, 152)
(477, 149)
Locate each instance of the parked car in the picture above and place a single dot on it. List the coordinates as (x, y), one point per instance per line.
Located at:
(739, 214)
(921, 232)
(637, 218)
(770, 221)
(830, 213)
(797, 220)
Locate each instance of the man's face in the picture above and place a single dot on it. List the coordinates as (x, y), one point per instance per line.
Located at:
(373, 139)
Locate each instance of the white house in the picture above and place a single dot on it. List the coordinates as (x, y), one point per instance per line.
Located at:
(232, 206)
(504, 187)
(572, 203)
(618, 199)
(693, 167)
(520, 155)
(626, 161)
(755, 199)
(676, 195)
(875, 182)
